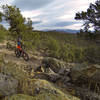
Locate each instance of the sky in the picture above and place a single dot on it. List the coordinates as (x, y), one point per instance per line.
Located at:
(51, 14)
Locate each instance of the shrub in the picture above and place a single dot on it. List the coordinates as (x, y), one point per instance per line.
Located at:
(31, 40)
(92, 54)
(71, 53)
(79, 54)
(3, 33)
(54, 47)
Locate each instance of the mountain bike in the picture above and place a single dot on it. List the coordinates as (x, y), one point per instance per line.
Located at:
(21, 53)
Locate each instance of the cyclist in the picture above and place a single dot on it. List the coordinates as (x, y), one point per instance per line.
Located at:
(19, 51)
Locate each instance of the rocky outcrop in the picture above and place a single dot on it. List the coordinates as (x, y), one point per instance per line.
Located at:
(52, 77)
(45, 90)
(86, 80)
(56, 65)
(8, 85)
(91, 72)
(45, 96)
(19, 97)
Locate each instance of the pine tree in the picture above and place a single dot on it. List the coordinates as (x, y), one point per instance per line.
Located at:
(14, 18)
(91, 17)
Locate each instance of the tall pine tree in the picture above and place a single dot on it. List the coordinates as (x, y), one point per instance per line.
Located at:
(91, 17)
(18, 24)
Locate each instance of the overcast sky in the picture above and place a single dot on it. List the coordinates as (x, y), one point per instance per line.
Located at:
(51, 14)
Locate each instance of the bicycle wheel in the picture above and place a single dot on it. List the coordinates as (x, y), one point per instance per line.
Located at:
(25, 56)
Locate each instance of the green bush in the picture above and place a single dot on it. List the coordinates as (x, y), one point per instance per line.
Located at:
(79, 54)
(71, 53)
(92, 54)
(54, 47)
(68, 52)
(3, 33)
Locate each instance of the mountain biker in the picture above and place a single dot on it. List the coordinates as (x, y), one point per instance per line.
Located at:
(19, 51)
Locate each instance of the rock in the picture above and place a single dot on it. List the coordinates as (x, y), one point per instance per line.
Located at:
(85, 94)
(60, 70)
(45, 90)
(91, 72)
(42, 96)
(19, 97)
(53, 77)
(39, 69)
(50, 71)
(14, 70)
(41, 76)
(56, 65)
(65, 80)
(8, 85)
(64, 71)
(86, 77)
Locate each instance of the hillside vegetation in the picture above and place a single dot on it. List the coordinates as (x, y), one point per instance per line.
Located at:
(64, 46)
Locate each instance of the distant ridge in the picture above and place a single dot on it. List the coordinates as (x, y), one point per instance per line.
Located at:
(62, 30)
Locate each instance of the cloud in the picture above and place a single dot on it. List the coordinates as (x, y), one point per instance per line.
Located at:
(51, 14)
(61, 13)
(3, 2)
(32, 14)
(31, 4)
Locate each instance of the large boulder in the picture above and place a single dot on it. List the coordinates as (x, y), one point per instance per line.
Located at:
(77, 71)
(91, 72)
(60, 70)
(8, 85)
(56, 65)
(44, 90)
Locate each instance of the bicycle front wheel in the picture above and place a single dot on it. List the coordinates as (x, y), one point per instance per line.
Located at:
(25, 56)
